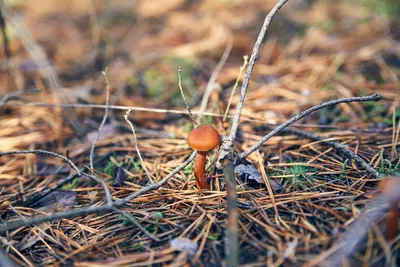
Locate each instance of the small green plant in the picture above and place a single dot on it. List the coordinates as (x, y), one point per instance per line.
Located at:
(71, 185)
(387, 167)
(343, 172)
(110, 168)
(298, 173)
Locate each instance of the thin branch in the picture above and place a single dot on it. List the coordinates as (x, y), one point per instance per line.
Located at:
(33, 199)
(232, 227)
(342, 148)
(228, 146)
(15, 95)
(103, 184)
(183, 96)
(104, 118)
(94, 209)
(48, 153)
(213, 78)
(115, 107)
(375, 97)
(135, 140)
(157, 185)
(132, 219)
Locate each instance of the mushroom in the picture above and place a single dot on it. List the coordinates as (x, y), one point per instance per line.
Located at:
(388, 187)
(202, 139)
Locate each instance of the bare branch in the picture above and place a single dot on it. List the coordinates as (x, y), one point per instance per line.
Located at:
(137, 147)
(213, 78)
(159, 184)
(227, 146)
(15, 95)
(104, 118)
(342, 148)
(115, 107)
(183, 96)
(375, 97)
(103, 184)
(48, 153)
(94, 209)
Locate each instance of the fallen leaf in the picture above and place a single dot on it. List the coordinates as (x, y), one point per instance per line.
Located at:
(184, 244)
(57, 201)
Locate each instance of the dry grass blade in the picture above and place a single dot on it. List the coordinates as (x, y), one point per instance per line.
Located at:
(104, 118)
(142, 163)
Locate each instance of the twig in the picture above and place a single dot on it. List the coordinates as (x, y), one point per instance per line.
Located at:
(375, 97)
(232, 228)
(342, 148)
(104, 118)
(159, 184)
(94, 209)
(211, 82)
(227, 152)
(228, 145)
(116, 107)
(103, 184)
(40, 151)
(15, 95)
(183, 96)
(32, 200)
(132, 219)
(137, 147)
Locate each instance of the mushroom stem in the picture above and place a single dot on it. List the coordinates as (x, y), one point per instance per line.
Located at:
(200, 169)
(392, 223)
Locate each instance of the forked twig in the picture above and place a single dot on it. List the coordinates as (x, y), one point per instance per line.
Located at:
(227, 155)
(104, 118)
(228, 144)
(103, 184)
(94, 209)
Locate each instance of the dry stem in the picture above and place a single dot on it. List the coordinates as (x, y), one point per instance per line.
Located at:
(104, 118)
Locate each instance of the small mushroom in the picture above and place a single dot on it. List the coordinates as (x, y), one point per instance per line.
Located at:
(388, 188)
(202, 139)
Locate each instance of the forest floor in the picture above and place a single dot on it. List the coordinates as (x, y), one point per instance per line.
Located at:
(304, 194)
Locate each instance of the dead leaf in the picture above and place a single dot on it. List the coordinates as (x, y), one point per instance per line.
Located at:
(184, 244)
(57, 201)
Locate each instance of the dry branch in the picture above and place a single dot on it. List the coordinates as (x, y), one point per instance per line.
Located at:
(375, 97)
(342, 148)
(94, 209)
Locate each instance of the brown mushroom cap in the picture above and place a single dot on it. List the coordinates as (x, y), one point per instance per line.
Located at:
(203, 138)
(389, 186)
